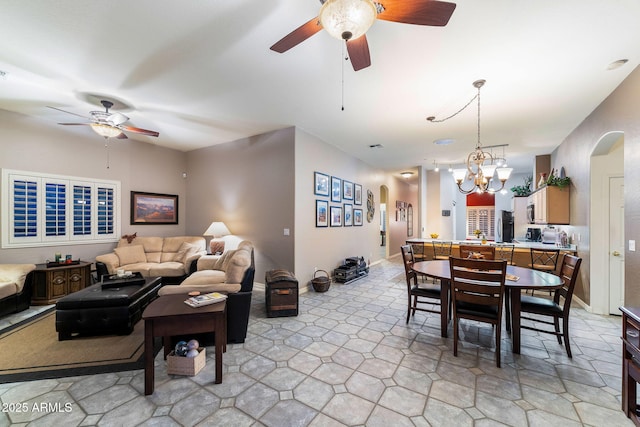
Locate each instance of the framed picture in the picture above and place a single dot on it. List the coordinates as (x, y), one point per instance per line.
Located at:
(347, 190)
(320, 184)
(336, 189)
(336, 216)
(357, 194)
(357, 217)
(348, 215)
(322, 213)
(153, 208)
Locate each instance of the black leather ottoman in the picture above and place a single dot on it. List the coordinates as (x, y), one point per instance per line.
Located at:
(96, 311)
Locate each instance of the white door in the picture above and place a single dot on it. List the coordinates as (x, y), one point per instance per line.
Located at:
(616, 244)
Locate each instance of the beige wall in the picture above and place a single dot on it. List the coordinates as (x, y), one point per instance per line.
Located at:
(249, 185)
(326, 248)
(619, 112)
(40, 146)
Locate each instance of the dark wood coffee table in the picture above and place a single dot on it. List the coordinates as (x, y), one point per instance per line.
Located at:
(169, 316)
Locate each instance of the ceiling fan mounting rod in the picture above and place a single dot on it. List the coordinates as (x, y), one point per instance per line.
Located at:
(106, 104)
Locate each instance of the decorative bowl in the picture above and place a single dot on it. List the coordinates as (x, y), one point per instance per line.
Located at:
(434, 235)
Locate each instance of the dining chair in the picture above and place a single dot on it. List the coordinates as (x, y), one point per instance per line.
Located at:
(477, 290)
(416, 293)
(555, 308)
(419, 254)
(477, 251)
(441, 249)
(544, 260)
(504, 251)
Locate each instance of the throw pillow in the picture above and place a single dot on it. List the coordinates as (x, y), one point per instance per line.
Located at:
(237, 265)
(223, 261)
(131, 254)
(185, 251)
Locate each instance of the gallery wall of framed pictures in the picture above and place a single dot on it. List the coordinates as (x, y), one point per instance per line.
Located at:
(340, 202)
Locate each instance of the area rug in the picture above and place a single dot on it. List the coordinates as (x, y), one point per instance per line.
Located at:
(31, 351)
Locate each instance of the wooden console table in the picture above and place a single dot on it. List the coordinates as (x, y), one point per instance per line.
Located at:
(630, 362)
(52, 283)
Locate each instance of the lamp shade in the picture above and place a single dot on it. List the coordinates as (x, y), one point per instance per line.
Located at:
(347, 19)
(217, 229)
(105, 130)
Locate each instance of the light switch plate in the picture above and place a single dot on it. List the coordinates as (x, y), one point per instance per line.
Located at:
(286, 231)
(632, 245)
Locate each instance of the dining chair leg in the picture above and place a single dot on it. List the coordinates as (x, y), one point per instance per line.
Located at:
(455, 336)
(565, 330)
(408, 307)
(556, 324)
(498, 338)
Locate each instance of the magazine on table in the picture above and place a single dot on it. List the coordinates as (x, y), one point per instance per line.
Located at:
(205, 299)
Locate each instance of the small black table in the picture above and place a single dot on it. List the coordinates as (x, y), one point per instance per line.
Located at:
(96, 310)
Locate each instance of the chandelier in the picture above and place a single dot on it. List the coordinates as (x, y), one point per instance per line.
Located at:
(480, 164)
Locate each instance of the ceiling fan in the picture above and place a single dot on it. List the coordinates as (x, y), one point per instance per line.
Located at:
(109, 125)
(349, 20)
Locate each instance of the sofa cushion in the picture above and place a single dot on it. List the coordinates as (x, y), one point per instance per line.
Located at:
(185, 251)
(140, 267)
(131, 254)
(223, 262)
(16, 274)
(205, 277)
(166, 269)
(7, 288)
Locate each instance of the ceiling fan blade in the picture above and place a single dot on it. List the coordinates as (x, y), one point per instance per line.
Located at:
(122, 136)
(419, 12)
(138, 130)
(297, 36)
(117, 119)
(359, 53)
(76, 124)
(68, 112)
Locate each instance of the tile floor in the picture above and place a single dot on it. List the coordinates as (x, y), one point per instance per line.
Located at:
(350, 359)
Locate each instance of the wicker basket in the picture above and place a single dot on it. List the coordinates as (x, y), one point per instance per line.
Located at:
(321, 283)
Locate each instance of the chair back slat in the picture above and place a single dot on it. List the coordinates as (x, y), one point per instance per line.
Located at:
(408, 260)
(569, 274)
(546, 260)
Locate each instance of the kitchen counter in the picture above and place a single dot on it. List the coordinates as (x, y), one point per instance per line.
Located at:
(518, 245)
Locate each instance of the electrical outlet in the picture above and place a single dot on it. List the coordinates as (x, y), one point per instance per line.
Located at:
(286, 231)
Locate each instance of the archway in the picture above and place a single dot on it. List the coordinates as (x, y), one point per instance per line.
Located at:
(384, 221)
(607, 163)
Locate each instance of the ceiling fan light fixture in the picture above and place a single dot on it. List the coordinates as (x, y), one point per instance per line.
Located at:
(347, 19)
(105, 130)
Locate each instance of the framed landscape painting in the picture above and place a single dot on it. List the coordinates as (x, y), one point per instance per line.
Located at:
(336, 216)
(320, 184)
(153, 208)
(322, 213)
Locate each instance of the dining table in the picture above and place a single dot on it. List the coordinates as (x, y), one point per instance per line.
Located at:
(518, 279)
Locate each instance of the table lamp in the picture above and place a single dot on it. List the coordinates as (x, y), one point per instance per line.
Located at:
(217, 230)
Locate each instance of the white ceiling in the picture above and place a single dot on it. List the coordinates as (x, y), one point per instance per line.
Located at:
(201, 73)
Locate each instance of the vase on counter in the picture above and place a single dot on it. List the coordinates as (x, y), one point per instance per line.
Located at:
(543, 179)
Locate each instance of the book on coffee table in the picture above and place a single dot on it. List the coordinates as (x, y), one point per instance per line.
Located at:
(205, 299)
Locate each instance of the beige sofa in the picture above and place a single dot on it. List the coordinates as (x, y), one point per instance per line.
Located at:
(172, 258)
(16, 287)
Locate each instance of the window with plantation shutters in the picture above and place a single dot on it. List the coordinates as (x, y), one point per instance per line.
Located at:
(46, 210)
(481, 218)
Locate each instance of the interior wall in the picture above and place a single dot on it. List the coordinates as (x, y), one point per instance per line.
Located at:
(607, 162)
(248, 184)
(35, 145)
(326, 248)
(618, 112)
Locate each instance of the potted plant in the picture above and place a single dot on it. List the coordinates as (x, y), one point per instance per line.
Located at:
(525, 189)
(558, 181)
